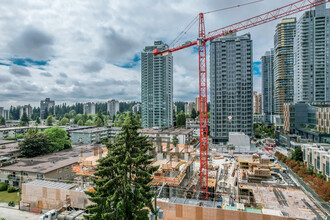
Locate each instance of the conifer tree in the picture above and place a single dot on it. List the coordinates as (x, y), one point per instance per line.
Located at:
(24, 120)
(122, 189)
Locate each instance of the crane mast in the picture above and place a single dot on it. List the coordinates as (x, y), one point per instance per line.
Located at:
(290, 9)
(203, 105)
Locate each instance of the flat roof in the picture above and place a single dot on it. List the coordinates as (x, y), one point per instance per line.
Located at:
(74, 128)
(176, 131)
(49, 184)
(49, 162)
(25, 127)
(9, 148)
(2, 142)
(91, 130)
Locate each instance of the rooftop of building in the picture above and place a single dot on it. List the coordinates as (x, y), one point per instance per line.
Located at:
(75, 127)
(6, 149)
(49, 184)
(49, 162)
(25, 127)
(4, 142)
(91, 130)
(57, 185)
(173, 131)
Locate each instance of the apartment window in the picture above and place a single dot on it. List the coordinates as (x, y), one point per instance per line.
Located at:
(40, 176)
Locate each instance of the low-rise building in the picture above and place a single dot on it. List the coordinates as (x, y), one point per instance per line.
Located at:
(9, 149)
(308, 120)
(45, 195)
(185, 136)
(90, 136)
(317, 157)
(239, 141)
(73, 127)
(54, 166)
(11, 132)
(193, 124)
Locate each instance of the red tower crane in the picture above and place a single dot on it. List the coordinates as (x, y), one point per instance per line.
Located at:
(278, 13)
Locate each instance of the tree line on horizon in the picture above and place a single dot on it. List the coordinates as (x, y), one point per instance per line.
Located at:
(62, 109)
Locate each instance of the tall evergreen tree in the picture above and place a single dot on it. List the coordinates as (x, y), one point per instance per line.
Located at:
(193, 113)
(2, 121)
(122, 189)
(24, 120)
(46, 113)
(38, 120)
(181, 119)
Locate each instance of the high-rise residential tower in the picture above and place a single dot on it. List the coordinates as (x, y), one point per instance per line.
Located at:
(197, 104)
(312, 55)
(46, 104)
(257, 103)
(89, 108)
(231, 86)
(136, 108)
(113, 107)
(188, 107)
(25, 108)
(156, 87)
(283, 63)
(267, 73)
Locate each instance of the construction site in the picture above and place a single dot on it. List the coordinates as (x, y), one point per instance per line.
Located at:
(250, 183)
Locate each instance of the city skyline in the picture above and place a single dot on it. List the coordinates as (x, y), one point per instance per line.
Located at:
(41, 57)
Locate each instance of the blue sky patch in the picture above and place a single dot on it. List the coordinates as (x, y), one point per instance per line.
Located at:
(132, 63)
(28, 62)
(257, 68)
(4, 64)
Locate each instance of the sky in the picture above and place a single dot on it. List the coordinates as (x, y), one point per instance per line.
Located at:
(80, 51)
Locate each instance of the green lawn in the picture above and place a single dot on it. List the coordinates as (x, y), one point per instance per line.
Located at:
(7, 197)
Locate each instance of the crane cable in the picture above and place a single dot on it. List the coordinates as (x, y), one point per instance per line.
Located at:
(236, 6)
(188, 27)
(178, 38)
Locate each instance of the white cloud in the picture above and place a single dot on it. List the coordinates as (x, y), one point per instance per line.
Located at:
(87, 40)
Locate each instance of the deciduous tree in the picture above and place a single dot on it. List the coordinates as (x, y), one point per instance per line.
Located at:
(58, 139)
(49, 121)
(34, 144)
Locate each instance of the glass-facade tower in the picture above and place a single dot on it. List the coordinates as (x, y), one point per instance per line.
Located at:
(156, 87)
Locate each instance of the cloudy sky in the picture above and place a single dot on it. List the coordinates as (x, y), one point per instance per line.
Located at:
(78, 51)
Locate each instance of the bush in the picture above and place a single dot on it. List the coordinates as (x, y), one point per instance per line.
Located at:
(11, 139)
(3, 186)
(11, 189)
